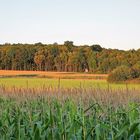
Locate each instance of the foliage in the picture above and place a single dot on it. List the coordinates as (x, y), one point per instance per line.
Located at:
(66, 57)
(40, 119)
(136, 70)
(123, 73)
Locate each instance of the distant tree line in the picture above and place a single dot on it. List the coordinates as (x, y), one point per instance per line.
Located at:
(66, 57)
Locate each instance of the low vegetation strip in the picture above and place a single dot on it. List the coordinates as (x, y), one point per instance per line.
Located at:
(119, 96)
(30, 82)
(63, 114)
(62, 75)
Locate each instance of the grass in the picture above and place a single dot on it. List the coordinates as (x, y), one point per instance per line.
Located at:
(65, 83)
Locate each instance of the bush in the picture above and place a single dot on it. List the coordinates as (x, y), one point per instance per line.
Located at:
(136, 70)
(121, 73)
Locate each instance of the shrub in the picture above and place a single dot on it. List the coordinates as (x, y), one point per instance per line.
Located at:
(121, 73)
(136, 70)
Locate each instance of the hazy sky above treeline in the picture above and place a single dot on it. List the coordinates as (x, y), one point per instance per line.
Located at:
(110, 23)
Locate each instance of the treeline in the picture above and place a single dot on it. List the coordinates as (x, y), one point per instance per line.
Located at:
(66, 57)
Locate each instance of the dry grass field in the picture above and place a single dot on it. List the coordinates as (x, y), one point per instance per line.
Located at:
(65, 75)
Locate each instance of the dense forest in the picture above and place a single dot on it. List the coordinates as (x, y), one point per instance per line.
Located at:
(66, 57)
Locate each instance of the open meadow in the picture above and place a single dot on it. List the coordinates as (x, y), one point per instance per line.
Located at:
(36, 79)
(63, 83)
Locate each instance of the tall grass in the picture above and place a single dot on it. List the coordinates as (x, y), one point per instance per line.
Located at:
(49, 113)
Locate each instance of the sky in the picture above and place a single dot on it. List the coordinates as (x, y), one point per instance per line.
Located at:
(110, 23)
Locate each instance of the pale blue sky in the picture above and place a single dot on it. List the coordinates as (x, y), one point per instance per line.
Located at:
(110, 23)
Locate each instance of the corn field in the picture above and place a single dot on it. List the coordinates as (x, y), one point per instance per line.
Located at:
(69, 114)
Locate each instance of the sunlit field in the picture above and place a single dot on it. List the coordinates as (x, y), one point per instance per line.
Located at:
(64, 83)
